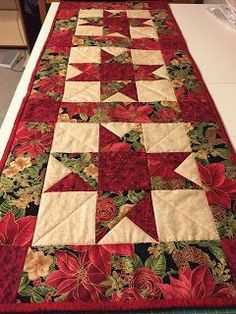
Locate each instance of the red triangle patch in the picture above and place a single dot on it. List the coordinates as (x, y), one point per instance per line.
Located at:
(144, 72)
(130, 90)
(109, 141)
(164, 164)
(90, 71)
(143, 216)
(106, 57)
(72, 182)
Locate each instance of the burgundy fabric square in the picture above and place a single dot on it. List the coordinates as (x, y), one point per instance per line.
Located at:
(11, 264)
(112, 26)
(121, 171)
(117, 72)
(195, 107)
(229, 248)
(41, 109)
(145, 43)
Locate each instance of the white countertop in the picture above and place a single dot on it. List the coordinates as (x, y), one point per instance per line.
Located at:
(211, 43)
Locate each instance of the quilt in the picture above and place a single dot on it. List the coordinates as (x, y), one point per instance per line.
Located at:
(118, 183)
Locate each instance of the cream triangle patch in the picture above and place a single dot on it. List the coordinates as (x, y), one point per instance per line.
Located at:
(115, 51)
(188, 169)
(126, 232)
(55, 172)
(161, 72)
(119, 128)
(72, 72)
(114, 11)
(119, 97)
(82, 22)
(116, 35)
(149, 23)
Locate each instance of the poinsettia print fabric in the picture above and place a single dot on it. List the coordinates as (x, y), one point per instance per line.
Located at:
(118, 185)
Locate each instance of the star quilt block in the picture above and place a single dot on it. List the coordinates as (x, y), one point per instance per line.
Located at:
(118, 185)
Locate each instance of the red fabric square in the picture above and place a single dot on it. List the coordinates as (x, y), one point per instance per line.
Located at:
(41, 109)
(115, 25)
(116, 72)
(11, 264)
(145, 43)
(60, 38)
(121, 171)
(229, 248)
(90, 72)
(195, 107)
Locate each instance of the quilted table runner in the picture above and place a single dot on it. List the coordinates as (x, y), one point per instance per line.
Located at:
(117, 186)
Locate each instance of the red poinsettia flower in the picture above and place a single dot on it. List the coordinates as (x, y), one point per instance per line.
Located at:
(32, 142)
(99, 255)
(77, 277)
(131, 114)
(16, 232)
(218, 187)
(51, 84)
(197, 283)
(167, 114)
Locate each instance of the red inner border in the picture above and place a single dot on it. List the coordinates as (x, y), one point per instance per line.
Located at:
(210, 302)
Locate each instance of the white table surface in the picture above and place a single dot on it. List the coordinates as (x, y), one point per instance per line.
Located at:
(211, 43)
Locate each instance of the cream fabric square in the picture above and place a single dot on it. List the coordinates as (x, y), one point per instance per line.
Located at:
(149, 91)
(75, 138)
(138, 14)
(143, 32)
(166, 137)
(183, 215)
(147, 57)
(90, 13)
(66, 218)
(85, 55)
(88, 30)
(81, 92)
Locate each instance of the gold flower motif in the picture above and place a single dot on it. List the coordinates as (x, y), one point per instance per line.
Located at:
(178, 83)
(10, 172)
(171, 104)
(20, 163)
(77, 41)
(202, 154)
(62, 72)
(65, 118)
(91, 171)
(188, 127)
(23, 201)
(37, 264)
(175, 62)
